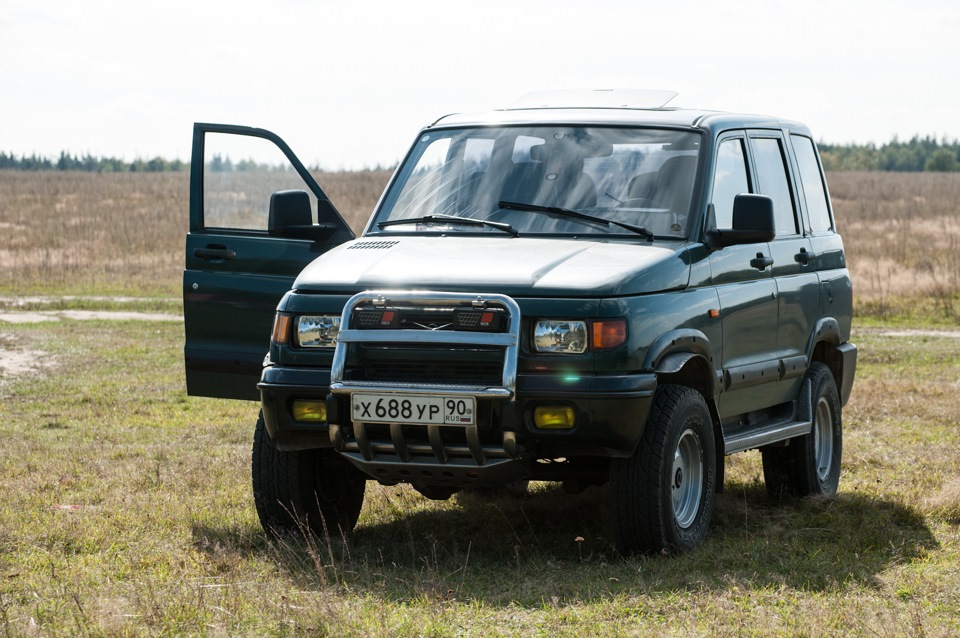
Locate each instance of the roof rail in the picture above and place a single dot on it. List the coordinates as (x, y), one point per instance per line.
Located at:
(595, 99)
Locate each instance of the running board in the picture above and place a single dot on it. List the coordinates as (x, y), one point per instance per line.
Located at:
(769, 434)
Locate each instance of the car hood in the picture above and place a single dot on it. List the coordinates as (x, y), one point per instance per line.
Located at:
(514, 266)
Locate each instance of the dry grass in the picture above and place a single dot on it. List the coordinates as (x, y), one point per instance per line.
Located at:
(123, 233)
(81, 231)
(902, 236)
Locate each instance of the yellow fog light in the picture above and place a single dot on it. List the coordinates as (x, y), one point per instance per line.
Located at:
(554, 417)
(312, 411)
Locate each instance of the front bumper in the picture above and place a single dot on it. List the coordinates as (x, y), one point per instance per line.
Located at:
(503, 446)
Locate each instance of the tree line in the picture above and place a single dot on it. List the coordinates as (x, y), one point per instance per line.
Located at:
(916, 155)
(90, 163)
(87, 162)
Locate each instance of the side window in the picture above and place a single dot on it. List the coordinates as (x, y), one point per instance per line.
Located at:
(811, 180)
(729, 180)
(240, 172)
(772, 178)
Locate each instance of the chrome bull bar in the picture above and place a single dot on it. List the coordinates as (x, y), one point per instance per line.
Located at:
(392, 458)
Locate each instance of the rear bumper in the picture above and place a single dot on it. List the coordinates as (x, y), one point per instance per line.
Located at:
(610, 413)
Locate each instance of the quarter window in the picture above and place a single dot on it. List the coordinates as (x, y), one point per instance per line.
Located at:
(812, 182)
(772, 178)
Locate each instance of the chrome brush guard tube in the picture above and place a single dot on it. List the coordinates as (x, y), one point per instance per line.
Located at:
(435, 453)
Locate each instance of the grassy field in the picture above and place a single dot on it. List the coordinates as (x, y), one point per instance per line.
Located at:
(127, 507)
(127, 511)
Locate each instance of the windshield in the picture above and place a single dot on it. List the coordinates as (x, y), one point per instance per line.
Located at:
(633, 178)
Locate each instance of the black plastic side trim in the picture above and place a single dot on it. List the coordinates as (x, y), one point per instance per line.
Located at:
(848, 354)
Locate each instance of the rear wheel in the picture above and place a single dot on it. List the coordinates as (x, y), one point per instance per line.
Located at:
(662, 496)
(810, 464)
(304, 490)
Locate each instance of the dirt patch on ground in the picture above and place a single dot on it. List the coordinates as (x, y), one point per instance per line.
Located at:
(15, 361)
(911, 332)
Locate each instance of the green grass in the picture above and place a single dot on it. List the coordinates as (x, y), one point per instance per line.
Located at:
(93, 287)
(61, 301)
(127, 511)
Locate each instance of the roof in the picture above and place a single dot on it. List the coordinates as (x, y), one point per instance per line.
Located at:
(599, 112)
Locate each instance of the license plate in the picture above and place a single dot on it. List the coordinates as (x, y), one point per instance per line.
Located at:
(417, 409)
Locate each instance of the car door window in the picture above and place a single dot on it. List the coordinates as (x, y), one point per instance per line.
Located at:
(772, 182)
(811, 181)
(729, 180)
(239, 175)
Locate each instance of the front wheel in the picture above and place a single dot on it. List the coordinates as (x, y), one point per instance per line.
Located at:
(304, 491)
(661, 497)
(810, 464)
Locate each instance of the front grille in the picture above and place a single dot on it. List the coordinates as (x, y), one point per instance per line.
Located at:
(465, 372)
(430, 318)
(470, 319)
(368, 319)
(454, 341)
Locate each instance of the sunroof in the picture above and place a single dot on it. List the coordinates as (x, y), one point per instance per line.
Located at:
(596, 99)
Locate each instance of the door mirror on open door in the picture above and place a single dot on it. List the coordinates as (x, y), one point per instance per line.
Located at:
(753, 222)
(291, 216)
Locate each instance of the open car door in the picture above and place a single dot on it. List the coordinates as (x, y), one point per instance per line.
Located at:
(257, 217)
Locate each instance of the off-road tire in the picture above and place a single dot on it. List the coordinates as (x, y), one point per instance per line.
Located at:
(809, 464)
(304, 491)
(661, 497)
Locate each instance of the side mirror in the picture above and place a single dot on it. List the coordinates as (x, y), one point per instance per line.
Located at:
(291, 216)
(753, 222)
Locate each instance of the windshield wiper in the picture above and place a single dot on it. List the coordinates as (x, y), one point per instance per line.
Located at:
(572, 214)
(450, 219)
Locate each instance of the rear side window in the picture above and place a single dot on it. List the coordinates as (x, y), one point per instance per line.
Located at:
(772, 175)
(729, 180)
(811, 180)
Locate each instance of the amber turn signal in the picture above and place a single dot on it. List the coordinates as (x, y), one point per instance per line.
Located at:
(281, 328)
(609, 333)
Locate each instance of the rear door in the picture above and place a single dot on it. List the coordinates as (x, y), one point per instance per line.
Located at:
(798, 291)
(746, 290)
(236, 271)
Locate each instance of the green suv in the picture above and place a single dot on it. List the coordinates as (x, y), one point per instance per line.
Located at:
(607, 291)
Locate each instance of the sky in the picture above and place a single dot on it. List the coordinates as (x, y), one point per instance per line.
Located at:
(348, 84)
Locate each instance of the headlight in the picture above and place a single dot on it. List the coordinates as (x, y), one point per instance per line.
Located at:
(568, 337)
(318, 331)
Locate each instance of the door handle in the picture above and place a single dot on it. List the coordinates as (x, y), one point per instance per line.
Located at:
(214, 253)
(760, 262)
(804, 257)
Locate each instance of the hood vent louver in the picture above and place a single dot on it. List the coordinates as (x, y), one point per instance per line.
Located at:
(374, 245)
